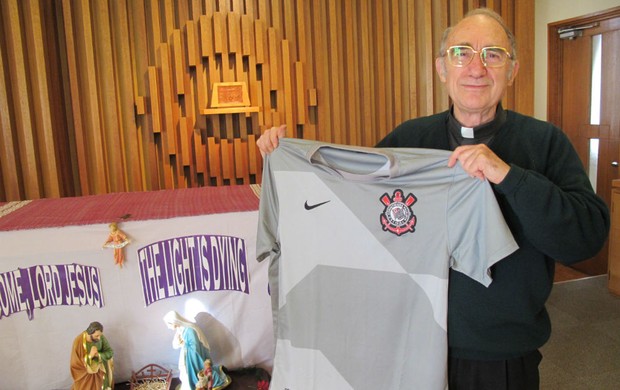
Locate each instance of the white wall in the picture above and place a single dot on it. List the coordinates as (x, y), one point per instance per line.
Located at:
(549, 11)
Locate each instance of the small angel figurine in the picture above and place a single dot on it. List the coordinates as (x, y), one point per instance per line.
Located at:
(117, 240)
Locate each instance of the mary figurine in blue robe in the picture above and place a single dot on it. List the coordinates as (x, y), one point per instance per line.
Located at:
(194, 353)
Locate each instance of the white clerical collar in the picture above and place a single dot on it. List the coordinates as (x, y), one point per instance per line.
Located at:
(467, 132)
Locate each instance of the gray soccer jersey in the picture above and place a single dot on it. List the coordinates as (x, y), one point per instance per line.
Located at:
(360, 242)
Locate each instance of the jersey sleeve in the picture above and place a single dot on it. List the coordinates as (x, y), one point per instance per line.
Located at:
(267, 242)
(477, 232)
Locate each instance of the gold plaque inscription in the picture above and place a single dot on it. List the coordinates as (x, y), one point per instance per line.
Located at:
(233, 94)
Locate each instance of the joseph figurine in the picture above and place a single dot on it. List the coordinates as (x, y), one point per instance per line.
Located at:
(92, 365)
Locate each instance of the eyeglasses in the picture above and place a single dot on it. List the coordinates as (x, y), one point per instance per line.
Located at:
(492, 56)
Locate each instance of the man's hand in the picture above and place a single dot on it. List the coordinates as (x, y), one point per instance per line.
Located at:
(479, 161)
(270, 140)
(93, 352)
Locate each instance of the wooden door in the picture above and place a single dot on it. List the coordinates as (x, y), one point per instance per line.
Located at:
(587, 56)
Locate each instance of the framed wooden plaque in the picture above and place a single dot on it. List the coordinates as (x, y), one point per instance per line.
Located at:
(232, 94)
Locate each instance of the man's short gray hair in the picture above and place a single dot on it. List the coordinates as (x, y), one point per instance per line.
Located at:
(491, 14)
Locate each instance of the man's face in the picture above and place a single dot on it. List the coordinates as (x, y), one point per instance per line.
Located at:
(475, 89)
(96, 336)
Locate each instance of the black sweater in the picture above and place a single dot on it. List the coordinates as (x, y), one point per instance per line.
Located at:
(553, 213)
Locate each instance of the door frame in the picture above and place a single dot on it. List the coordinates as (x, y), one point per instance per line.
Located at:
(555, 55)
(597, 23)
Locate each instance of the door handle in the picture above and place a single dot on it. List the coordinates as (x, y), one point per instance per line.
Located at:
(614, 163)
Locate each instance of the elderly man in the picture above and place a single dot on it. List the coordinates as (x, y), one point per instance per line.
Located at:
(543, 191)
(91, 360)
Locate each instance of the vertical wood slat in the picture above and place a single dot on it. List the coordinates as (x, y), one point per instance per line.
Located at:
(201, 87)
(206, 44)
(200, 151)
(8, 159)
(223, 5)
(234, 33)
(155, 108)
(442, 14)
(260, 102)
(227, 73)
(276, 18)
(397, 95)
(367, 79)
(266, 86)
(241, 76)
(42, 110)
(240, 148)
(131, 135)
(22, 105)
(41, 99)
(351, 74)
(237, 6)
(184, 128)
(213, 76)
(169, 25)
(274, 56)
(256, 161)
(210, 7)
(228, 162)
(250, 9)
(263, 14)
(178, 55)
(509, 15)
(112, 147)
(322, 72)
(78, 123)
(412, 65)
(181, 13)
(380, 67)
(289, 29)
(218, 36)
(95, 141)
(192, 46)
(246, 36)
(391, 78)
(196, 9)
(259, 40)
(215, 164)
(287, 84)
(300, 97)
(524, 85)
(167, 96)
(336, 73)
(253, 156)
(428, 65)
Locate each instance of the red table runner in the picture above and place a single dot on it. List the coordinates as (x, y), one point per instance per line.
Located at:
(127, 206)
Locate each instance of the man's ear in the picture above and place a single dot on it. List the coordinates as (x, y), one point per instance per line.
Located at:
(513, 72)
(440, 67)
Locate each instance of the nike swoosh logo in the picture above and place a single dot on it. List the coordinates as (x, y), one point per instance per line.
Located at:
(313, 206)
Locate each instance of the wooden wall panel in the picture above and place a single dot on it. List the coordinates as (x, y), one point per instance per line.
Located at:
(137, 79)
(17, 77)
(90, 93)
(41, 101)
(11, 188)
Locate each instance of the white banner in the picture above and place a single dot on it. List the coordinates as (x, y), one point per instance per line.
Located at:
(203, 267)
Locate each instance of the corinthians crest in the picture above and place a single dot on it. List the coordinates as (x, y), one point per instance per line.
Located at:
(397, 216)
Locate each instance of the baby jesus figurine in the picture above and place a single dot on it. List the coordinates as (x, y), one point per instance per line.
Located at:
(117, 240)
(205, 377)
